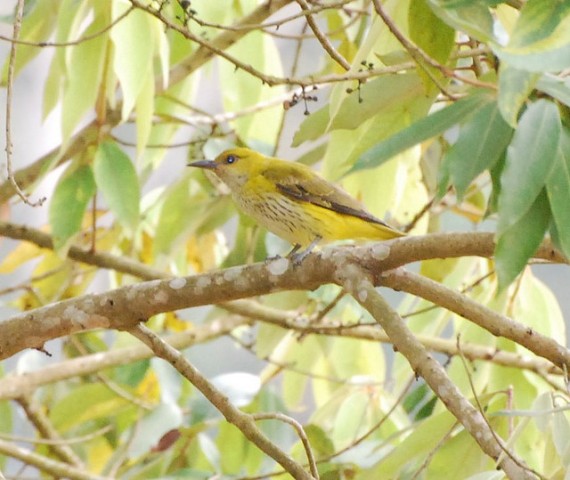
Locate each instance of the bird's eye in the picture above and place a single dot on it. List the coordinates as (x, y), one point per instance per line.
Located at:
(231, 159)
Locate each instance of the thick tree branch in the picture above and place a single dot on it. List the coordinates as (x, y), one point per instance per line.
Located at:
(16, 385)
(125, 307)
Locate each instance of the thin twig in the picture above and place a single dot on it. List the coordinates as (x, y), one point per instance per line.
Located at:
(43, 425)
(499, 440)
(300, 431)
(73, 43)
(322, 38)
(9, 95)
(418, 54)
(244, 422)
(356, 281)
(51, 467)
(64, 441)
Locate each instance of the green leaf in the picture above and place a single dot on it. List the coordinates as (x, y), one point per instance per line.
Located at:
(537, 307)
(518, 242)
(530, 159)
(240, 90)
(496, 172)
(514, 88)
(71, 16)
(434, 37)
(85, 403)
(420, 131)
(539, 20)
(67, 207)
(556, 87)
(132, 60)
(540, 40)
(319, 440)
(430, 33)
(312, 127)
(473, 18)
(185, 211)
(558, 188)
(378, 96)
(117, 180)
(37, 26)
(480, 144)
(84, 72)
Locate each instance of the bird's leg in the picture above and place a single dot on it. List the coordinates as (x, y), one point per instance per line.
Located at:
(297, 257)
(289, 255)
(295, 249)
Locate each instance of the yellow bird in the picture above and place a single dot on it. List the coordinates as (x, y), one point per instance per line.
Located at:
(293, 202)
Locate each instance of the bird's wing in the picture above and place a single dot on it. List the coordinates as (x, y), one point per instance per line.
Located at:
(305, 186)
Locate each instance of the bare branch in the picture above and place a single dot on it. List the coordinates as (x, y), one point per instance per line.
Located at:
(45, 428)
(44, 464)
(494, 322)
(126, 306)
(15, 385)
(9, 94)
(359, 284)
(300, 431)
(322, 38)
(244, 422)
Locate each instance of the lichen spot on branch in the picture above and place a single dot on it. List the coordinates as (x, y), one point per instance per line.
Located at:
(76, 315)
(232, 274)
(177, 283)
(278, 266)
(380, 251)
(160, 297)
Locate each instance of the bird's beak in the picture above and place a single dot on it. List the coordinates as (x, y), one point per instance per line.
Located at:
(208, 164)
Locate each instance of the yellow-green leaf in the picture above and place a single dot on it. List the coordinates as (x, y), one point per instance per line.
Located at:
(67, 207)
(117, 179)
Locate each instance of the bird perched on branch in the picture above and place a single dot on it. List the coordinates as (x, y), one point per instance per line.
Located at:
(293, 202)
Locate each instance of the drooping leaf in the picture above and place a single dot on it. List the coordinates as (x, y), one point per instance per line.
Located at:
(558, 188)
(37, 26)
(540, 40)
(429, 32)
(185, 211)
(480, 144)
(514, 88)
(240, 90)
(433, 36)
(473, 18)
(530, 159)
(420, 131)
(312, 127)
(378, 96)
(519, 240)
(496, 172)
(84, 403)
(84, 72)
(117, 180)
(67, 207)
(132, 61)
(558, 88)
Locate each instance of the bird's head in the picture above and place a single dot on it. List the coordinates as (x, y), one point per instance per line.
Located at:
(235, 166)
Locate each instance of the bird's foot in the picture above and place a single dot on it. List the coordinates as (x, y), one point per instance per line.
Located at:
(298, 257)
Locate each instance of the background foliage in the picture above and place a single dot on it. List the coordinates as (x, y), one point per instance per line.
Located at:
(439, 115)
